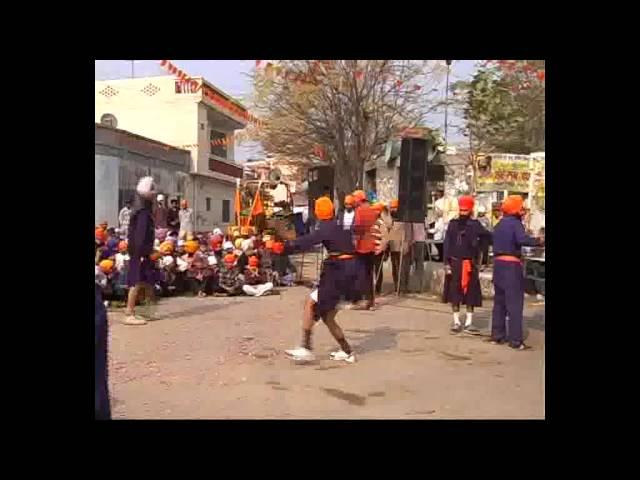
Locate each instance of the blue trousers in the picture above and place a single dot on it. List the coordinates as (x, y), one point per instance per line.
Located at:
(508, 283)
(102, 404)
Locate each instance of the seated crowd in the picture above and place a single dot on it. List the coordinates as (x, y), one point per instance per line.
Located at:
(204, 264)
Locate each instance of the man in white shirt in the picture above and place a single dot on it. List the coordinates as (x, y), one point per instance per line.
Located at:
(349, 212)
(123, 219)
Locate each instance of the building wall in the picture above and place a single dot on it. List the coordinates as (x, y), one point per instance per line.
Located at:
(199, 188)
(164, 116)
(122, 158)
(106, 188)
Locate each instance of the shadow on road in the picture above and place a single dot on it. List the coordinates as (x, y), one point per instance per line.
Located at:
(197, 310)
(382, 338)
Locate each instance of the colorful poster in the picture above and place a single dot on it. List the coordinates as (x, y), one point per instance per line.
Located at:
(504, 172)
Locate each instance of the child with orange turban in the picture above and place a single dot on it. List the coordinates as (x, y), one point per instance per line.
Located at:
(461, 251)
(339, 278)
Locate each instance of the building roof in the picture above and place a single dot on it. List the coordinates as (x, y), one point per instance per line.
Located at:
(165, 146)
(204, 80)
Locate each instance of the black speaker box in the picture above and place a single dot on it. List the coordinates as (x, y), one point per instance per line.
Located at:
(412, 191)
(320, 184)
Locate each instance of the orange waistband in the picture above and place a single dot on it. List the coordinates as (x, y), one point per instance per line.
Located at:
(509, 258)
(341, 257)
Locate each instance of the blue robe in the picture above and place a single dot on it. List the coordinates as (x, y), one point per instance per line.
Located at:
(339, 278)
(140, 245)
(102, 404)
(462, 241)
(508, 279)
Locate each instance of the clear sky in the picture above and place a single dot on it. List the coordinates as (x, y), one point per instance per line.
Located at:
(232, 76)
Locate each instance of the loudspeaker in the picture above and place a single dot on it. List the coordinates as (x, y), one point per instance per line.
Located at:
(320, 184)
(412, 189)
(435, 173)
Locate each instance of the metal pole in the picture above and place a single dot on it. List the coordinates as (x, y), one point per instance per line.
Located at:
(446, 104)
(132, 69)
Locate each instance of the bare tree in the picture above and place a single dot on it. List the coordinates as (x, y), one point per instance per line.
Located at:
(348, 109)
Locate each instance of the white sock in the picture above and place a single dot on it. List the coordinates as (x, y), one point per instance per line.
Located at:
(469, 319)
(456, 318)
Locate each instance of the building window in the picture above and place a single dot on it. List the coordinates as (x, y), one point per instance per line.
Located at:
(208, 200)
(226, 206)
(219, 148)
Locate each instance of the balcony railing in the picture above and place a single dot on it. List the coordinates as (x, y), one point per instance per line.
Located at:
(225, 168)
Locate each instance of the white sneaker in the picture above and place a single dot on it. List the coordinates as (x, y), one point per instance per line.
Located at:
(133, 320)
(301, 354)
(340, 355)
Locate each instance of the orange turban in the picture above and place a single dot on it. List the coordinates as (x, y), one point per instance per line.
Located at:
(378, 207)
(229, 259)
(512, 205)
(253, 261)
(106, 266)
(122, 246)
(466, 202)
(101, 235)
(394, 204)
(349, 200)
(324, 208)
(359, 195)
(278, 247)
(166, 248)
(191, 246)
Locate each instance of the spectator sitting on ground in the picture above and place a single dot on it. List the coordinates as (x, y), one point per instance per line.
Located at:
(216, 246)
(198, 273)
(121, 265)
(168, 267)
(106, 267)
(282, 266)
(255, 283)
(230, 279)
(101, 240)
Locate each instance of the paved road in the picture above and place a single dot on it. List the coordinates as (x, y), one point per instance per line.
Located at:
(217, 358)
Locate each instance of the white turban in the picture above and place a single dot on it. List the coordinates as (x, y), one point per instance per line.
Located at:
(227, 245)
(146, 188)
(217, 231)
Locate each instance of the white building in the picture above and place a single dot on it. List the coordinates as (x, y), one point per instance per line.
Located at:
(170, 111)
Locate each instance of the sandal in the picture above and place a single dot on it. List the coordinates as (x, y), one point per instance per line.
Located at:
(495, 341)
(522, 346)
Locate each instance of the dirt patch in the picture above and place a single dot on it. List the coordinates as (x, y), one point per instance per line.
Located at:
(329, 367)
(350, 398)
(276, 387)
(453, 356)
(376, 394)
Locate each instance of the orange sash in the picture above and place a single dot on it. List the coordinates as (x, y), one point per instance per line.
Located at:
(466, 275)
(509, 258)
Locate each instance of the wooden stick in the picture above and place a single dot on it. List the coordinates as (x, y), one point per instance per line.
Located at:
(400, 267)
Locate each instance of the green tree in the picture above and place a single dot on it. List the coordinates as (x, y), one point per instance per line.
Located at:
(504, 106)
